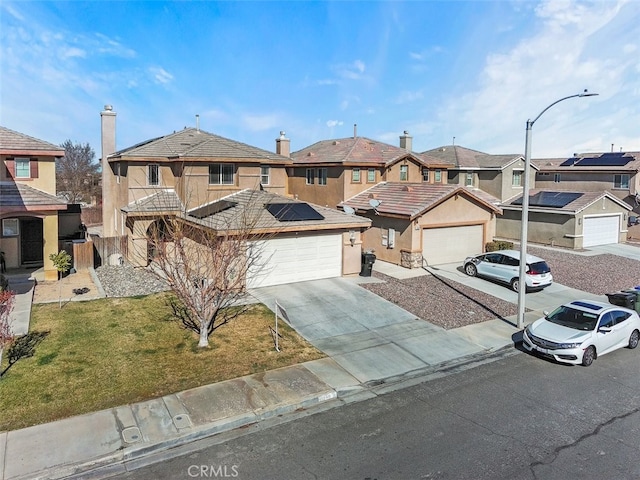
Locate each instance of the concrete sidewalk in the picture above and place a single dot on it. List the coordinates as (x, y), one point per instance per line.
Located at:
(377, 349)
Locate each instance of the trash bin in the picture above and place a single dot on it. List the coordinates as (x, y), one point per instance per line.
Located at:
(635, 293)
(623, 299)
(368, 260)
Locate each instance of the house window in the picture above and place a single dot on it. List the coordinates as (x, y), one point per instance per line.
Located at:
(310, 176)
(425, 174)
(371, 175)
(355, 175)
(23, 168)
(621, 181)
(153, 174)
(516, 178)
(438, 176)
(404, 173)
(264, 175)
(9, 227)
(221, 173)
(322, 176)
(556, 177)
(468, 181)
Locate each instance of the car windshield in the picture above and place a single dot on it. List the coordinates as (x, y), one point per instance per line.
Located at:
(573, 318)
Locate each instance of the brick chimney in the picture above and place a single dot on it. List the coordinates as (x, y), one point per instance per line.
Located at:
(406, 141)
(283, 145)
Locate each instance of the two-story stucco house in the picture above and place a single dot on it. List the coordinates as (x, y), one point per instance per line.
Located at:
(616, 172)
(330, 171)
(29, 208)
(499, 175)
(203, 178)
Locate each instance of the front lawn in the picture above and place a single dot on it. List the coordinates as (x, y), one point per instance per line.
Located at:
(117, 351)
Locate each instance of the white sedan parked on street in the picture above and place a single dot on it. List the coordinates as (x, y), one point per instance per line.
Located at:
(504, 266)
(580, 331)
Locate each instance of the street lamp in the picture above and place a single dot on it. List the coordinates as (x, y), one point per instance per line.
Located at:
(522, 283)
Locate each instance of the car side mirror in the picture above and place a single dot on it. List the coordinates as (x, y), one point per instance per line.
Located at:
(604, 330)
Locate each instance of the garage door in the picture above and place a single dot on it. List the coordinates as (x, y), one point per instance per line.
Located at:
(296, 259)
(600, 230)
(451, 244)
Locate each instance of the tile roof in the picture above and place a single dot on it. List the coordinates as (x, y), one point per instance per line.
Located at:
(413, 199)
(249, 209)
(585, 200)
(163, 201)
(466, 158)
(19, 196)
(192, 143)
(357, 151)
(246, 207)
(573, 163)
(12, 142)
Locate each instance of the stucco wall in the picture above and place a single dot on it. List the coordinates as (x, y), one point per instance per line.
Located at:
(543, 228)
(587, 182)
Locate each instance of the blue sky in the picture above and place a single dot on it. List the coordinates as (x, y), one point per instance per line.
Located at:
(474, 70)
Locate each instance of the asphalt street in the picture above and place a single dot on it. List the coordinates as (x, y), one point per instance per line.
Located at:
(521, 417)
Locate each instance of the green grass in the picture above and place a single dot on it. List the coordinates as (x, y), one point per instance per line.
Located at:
(111, 352)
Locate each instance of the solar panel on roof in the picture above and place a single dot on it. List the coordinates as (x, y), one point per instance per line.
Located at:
(612, 159)
(212, 208)
(550, 199)
(293, 212)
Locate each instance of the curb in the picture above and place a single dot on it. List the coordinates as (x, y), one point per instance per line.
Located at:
(132, 458)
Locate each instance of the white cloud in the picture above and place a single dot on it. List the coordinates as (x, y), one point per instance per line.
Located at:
(409, 97)
(334, 123)
(351, 71)
(160, 75)
(565, 55)
(71, 52)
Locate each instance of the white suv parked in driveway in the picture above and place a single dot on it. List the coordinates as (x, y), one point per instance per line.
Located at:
(504, 266)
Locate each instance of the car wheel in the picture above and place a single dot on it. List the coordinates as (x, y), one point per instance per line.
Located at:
(515, 284)
(470, 269)
(633, 339)
(588, 356)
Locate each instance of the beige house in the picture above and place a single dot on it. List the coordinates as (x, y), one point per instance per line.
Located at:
(615, 172)
(499, 175)
(202, 178)
(416, 221)
(33, 218)
(330, 171)
(567, 218)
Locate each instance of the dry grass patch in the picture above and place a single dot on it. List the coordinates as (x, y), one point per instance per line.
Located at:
(116, 351)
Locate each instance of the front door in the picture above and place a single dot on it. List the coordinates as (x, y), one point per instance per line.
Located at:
(31, 240)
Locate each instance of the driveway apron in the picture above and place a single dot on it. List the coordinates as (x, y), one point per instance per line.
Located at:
(369, 337)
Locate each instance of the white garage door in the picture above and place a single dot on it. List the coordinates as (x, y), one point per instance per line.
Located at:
(600, 230)
(451, 244)
(297, 259)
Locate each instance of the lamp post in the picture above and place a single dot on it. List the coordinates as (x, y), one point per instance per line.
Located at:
(522, 283)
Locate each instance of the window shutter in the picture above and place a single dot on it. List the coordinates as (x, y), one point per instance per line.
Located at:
(34, 167)
(11, 167)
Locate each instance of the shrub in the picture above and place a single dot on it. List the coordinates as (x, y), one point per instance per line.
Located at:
(498, 245)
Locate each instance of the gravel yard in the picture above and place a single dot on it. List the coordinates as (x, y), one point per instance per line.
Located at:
(598, 274)
(128, 281)
(450, 304)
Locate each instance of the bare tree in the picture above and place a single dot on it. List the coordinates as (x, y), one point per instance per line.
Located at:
(206, 263)
(76, 172)
(6, 334)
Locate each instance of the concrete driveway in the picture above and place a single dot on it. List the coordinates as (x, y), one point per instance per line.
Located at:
(369, 337)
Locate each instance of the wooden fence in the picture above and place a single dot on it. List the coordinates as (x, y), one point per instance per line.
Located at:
(104, 247)
(81, 253)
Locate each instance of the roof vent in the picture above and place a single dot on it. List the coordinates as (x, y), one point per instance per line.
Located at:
(336, 142)
(310, 154)
(442, 149)
(407, 188)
